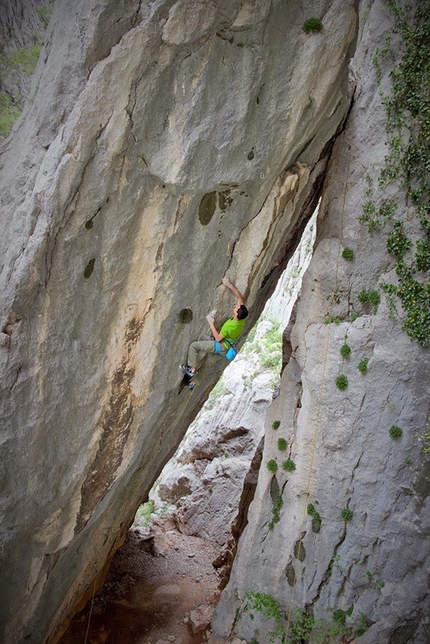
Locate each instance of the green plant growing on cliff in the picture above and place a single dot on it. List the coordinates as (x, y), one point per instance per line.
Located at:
(346, 514)
(282, 444)
(373, 582)
(272, 466)
(45, 13)
(316, 517)
(289, 465)
(395, 432)
(345, 351)
(312, 26)
(362, 365)
(25, 58)
(397, 242)
(297, 626)
(276, 424)
(370, 298)
(276, 511)
(342, 382)
(348, 254)
(271, 345)
(408, 164)
(8, 114)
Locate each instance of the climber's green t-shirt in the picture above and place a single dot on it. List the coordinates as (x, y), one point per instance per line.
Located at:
(231, 329)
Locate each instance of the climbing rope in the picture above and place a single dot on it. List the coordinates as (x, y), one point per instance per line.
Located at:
(91, 610)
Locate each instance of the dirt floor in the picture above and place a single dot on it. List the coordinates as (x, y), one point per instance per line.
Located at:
(161, 588)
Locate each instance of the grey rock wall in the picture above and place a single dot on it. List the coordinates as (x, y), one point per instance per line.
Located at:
(373, 567)
(163, 145)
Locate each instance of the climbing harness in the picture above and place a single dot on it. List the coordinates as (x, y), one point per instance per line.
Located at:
(231, 352)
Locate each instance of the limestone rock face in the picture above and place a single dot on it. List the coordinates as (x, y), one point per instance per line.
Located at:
(206, 481)
(163, 145)
(22, 27)
(353, 529)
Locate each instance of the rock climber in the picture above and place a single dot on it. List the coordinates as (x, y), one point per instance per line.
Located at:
(225, 338)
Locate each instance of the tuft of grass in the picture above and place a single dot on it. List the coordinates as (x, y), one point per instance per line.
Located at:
(395, 431)
(362, 365)
(272, 465)
(345, 351)
(316, 517)
(276, 512)
(276, 424)
(342, 382)
(348, 254)
(282, 444)
(312, 26)
(289, 465)
(346, 514)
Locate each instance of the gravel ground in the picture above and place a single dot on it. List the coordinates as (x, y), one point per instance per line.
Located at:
(161, 588)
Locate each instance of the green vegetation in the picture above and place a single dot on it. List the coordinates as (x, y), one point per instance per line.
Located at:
(346, 514)
(407, 163)
(340, 615)
(276, 424)
(345, 351)
(316, 518)
(312, 26)
(301, 626)
(8, 114)
(397, 242)
(362, 365)
(272, 465)
(282, 444)
(143, 515)
(289, 465)
(374, 583)
(265, 604)
(371, 298)
(276, 511)
(271, 347)
(395, 432)
(45, 13)
(348, 254)
(330, 319)
(25, 58)
(267, 346)
(342, 382)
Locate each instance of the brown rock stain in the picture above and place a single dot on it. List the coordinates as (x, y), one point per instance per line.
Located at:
(116, 424)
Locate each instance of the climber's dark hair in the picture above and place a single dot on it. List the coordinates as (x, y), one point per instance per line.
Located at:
(242, 312)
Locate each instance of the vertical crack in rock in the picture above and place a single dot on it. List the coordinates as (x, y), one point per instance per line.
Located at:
(326, 577)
